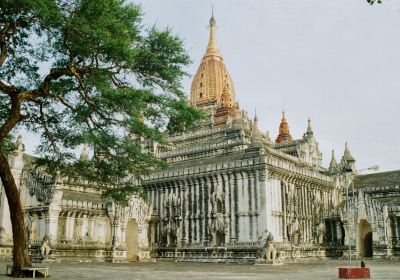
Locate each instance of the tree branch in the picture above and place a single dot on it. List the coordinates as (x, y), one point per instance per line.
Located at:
(13, 119)
(9, 90)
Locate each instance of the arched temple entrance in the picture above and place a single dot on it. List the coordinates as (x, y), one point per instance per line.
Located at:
(364, 239)
(219, 238)
(368, 245)
(131, 241)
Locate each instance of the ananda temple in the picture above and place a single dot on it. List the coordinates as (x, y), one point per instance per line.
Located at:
(232, 193)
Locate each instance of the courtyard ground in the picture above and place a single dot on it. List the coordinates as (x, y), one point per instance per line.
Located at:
(327, 269)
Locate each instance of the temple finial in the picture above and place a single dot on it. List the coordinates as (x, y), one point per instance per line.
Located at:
(212, 48)
(255, 117)
(309, 127)
(284, 134)
(84, 154)
(212, 19)
(333, 164)
(347, 155)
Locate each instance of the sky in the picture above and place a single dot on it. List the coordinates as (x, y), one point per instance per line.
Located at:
(337, 62)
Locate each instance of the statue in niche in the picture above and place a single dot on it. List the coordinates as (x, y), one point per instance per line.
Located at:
(217, 202)
(339, 232)
(178, 236)
(217, 230)
(294, 231)
(321, 231)
(317, 204)
(170, 232)
(45, 248)
(172, 206)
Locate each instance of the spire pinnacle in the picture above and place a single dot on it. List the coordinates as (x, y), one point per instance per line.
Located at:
(255, 132)
(333, 165)
(309, 128)
(212, 48)
(347, 155)
(284, 133)
(255, 117)
(333, 156)
(84, 154)
(309, 132)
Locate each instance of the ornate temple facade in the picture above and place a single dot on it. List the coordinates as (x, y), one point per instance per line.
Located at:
(230, 194)
(72, 218)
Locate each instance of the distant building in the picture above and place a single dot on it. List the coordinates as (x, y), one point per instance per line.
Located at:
(230, 194)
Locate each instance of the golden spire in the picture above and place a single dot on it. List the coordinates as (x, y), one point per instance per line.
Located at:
(212, 79)
(212, 48)
(284, 134)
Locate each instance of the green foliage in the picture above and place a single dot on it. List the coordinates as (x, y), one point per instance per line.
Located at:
(87, 72)
(371, 2)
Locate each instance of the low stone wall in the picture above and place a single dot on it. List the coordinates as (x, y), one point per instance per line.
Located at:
(234, 254)
(86, 253)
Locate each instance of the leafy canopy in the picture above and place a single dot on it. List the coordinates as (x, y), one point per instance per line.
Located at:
(87, 72)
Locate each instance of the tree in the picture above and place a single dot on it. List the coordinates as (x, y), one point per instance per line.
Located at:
(372, 2)
(86, 72)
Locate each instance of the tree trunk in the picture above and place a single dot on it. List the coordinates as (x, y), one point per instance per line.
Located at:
(20, 239)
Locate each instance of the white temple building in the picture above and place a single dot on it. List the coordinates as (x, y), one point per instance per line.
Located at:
(231, 194)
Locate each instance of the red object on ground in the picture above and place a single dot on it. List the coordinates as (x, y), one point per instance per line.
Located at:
(354, 272)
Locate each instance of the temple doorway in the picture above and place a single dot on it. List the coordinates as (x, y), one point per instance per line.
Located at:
(131, 241)
(219, 238)
(364, 239)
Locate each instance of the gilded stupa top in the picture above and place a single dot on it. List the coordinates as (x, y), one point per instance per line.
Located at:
(284, 134)
(212, 80)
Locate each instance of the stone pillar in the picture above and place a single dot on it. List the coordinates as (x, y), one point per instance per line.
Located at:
(262, 188)
(244, 207)
(190, 212)
(192, 201)
(35, 227)
(117, 232)
(78, 226)
(70, 224)
(202, 189)
(51, 220)
(252, 207)
(92, 221)
(240, 223)
(185, 190)
(226, 206)
(208, 208)
(161, 213)
(233, 194)
(196, 210)
(100, 230)
(123, 232)
(284, 209)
